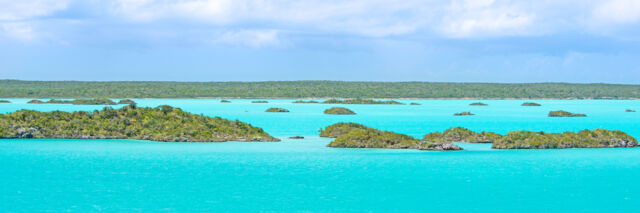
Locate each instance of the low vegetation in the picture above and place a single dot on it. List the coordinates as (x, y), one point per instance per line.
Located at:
(353, 135)
(259, 102)
(276, 109)
(305, 102)
(414, 103)
(359, 101)
(126, 101)
(598, 138)
(531, 104)
(478, 104)
(95, 101)
(225, 101)
(339, 111)
(163, 123)
(461, 134)
(462, 113)
(313, 89)
(561, 113)
(5, 101)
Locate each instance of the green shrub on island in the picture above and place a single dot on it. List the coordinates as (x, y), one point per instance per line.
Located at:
(461, 134)
(561, 113)
(414, 103)
(478, 104)
(359, 101)
(126, 101)
(339, 111)
(259, 102)
(598, 138)
(276, 109)
(462, 113)
(225, 101)
(163, 123)
(352, 135)
(95, 101)
(5, 101)
(305, 102)
(531, 104)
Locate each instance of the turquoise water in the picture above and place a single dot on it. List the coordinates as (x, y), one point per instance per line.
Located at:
(304, 175)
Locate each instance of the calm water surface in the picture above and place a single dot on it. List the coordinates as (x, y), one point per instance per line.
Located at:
(304, 175)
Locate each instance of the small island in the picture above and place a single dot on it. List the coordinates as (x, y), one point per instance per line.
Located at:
(296, 137)
(561, 113)
(162, 123)
(276, 109)
(339, 111)
(414, 103)
(95, 101)
(531, 104)
(630, 110)
(4, 101)
(305, 102)
(478, 104)
(461, 134)
(126, 101)
(462, 114)
(259, 102)
(353, 135)
(225, 101)
(598, 138)
(360, 101)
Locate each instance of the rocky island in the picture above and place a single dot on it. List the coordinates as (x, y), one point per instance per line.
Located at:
(163, 123)
(225, 101)
(478, 104)
(95, 101)
(531, 104)
(598, 138)
(630, 110)
(414, 103)
(276, 109)
(4, 101)
(259, 102)
(461, 134)
(353, 135)
(561, 113)
(462, 113)
(339, 111)
(305, 102)
(359, 101)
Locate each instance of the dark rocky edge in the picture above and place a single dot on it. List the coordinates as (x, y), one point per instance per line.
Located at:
(561, 113)
(296, 137)
(225, 101)
(630, 110)
(339, 111)
(598, 138)
(5, 101)
(414, 103)
(126, 101)
(478, 104)
(305, 102)
(163, 123)
(259, 102)
(353, 135)
(461, 134)
(276, 109)
(531, 104)
(360, 101)
(462, 113)
(95, 101)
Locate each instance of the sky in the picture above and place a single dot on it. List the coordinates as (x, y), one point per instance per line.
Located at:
(578, 41)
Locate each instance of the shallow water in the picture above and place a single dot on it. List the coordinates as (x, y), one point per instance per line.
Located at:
(304, 175)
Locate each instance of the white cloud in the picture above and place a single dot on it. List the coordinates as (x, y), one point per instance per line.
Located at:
(12, 10)
(482, 18)
(251, 38)
(18, 30)
(617, 11)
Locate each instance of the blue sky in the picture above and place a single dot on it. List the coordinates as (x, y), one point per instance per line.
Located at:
(355, 40)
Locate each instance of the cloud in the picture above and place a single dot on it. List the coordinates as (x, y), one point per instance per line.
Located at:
(11, 10)
(482, 18)
(617, 11)
(251, 38)
(18, 30)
